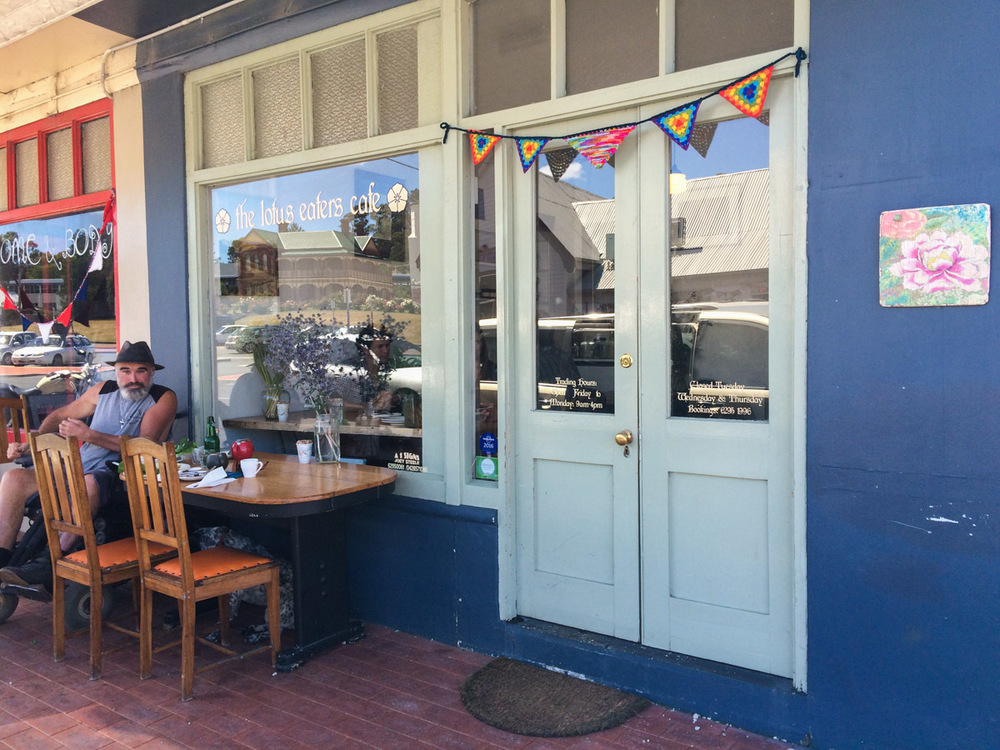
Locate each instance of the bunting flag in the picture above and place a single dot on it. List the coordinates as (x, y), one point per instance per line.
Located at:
(81, 293)
(66, 316)
(748, 95)
(97, 262)
(559, 161)
(599, 146)
(482, 144)
(45, 329)
(702, 135)
(8, 301)
(529, 149)
(81, 312)
(26, 304)
(678, 123)
(109, 212)
(25, 323)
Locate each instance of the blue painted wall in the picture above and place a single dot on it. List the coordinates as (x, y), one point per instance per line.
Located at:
(903, 404)
(903, 611)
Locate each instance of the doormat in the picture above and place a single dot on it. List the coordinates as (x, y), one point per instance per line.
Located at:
(528, 700)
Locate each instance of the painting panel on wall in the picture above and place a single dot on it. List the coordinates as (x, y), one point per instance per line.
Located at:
(935, 257)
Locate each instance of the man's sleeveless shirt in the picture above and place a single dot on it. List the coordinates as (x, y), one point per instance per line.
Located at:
(115, 415)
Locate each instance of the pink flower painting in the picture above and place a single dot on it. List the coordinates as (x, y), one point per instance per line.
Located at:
(948, 263)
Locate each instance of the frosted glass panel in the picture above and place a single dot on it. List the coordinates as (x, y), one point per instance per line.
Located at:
(510, 43)
(340, 101)
(96, 137)
(277, 107)
(26, 180)
(610, 43)
(397, 80)
(710, 31)
(223, 136)
(60, 164)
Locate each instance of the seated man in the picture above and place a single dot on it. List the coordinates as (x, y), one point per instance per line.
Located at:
(131, 405)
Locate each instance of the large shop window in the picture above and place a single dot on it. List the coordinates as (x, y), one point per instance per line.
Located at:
(328, 260)
(57, 323)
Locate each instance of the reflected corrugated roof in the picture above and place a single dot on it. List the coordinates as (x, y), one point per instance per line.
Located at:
(726, 221)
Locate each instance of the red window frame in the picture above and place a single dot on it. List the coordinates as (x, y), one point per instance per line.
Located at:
(74, 119)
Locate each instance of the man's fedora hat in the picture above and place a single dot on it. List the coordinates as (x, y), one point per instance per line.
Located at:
(136, 354)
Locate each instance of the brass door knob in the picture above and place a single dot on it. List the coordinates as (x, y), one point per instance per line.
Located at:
(625, 360)
(624, 437)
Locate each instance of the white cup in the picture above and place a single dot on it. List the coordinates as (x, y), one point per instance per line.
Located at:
(305, 450)
(282, 412)
(250, 467)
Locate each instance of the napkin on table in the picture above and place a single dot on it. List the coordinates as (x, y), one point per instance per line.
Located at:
(214, 478)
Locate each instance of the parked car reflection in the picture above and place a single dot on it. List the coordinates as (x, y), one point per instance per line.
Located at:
(71, 350)
(10, 342)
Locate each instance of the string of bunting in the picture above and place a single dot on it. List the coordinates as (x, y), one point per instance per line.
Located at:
(66, 316)
(747, 94)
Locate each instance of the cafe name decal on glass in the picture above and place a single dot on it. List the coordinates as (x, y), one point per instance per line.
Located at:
(320, 207)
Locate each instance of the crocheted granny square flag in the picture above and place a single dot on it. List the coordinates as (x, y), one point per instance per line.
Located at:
(529, 149)
(678, 123)
(702, 135)
(559, 161)
(482, 144)
(748, 95)
(599, 146)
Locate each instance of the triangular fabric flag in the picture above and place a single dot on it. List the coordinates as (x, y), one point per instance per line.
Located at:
(701, 137)
(66, 316)
(81, 293)
(97, 262)
(45, 329)
(26, 305)
(765, 118)
(482, 144)
(678, 123)
(109, 212)
(81, 313)
(748, 95)
(559, 161)
(8, 301)
(25, 323)
(529, 149)
(598, 147)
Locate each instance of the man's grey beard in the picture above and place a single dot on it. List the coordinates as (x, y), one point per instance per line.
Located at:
(134, 394)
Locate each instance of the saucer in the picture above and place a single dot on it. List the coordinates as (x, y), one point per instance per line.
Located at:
(191, 475)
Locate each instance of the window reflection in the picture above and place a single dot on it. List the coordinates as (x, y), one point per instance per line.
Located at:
(719, 248)
(337, 251)
(485, 360)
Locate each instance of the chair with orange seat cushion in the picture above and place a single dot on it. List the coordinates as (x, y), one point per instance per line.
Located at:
(154, 494)
(66, 508)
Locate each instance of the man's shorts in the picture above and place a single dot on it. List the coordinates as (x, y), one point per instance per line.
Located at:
(105, 484)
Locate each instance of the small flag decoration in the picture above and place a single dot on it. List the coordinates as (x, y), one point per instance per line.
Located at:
(482, 144)
(679, 123)
(748, 95)
(559, 161)
(599, 146)
(528, 150)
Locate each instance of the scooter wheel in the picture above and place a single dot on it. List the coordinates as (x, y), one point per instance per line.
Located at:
(78, 605)
(8, 603)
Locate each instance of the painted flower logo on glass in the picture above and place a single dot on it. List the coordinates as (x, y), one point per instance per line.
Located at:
(941, 262)
(901, 225)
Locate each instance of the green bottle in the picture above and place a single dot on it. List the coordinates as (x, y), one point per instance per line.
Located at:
(211, 437)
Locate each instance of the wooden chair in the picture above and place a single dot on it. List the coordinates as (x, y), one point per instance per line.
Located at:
(13, 424)
(154, 493)
(66, 508)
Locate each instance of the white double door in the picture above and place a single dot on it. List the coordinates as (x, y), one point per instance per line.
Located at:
(684, 540)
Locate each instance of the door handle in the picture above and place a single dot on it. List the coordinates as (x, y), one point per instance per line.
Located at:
(624, 437)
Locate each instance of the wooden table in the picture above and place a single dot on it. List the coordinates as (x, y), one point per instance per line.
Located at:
(310, 502)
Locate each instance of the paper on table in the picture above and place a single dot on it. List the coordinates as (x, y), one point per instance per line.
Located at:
(214, 478)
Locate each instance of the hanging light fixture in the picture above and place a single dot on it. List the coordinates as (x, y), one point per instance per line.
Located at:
(678, 180)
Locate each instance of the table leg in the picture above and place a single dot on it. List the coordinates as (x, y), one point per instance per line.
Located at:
(319, 562)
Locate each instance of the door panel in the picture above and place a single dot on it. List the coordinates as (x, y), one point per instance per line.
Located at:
(576, 490)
